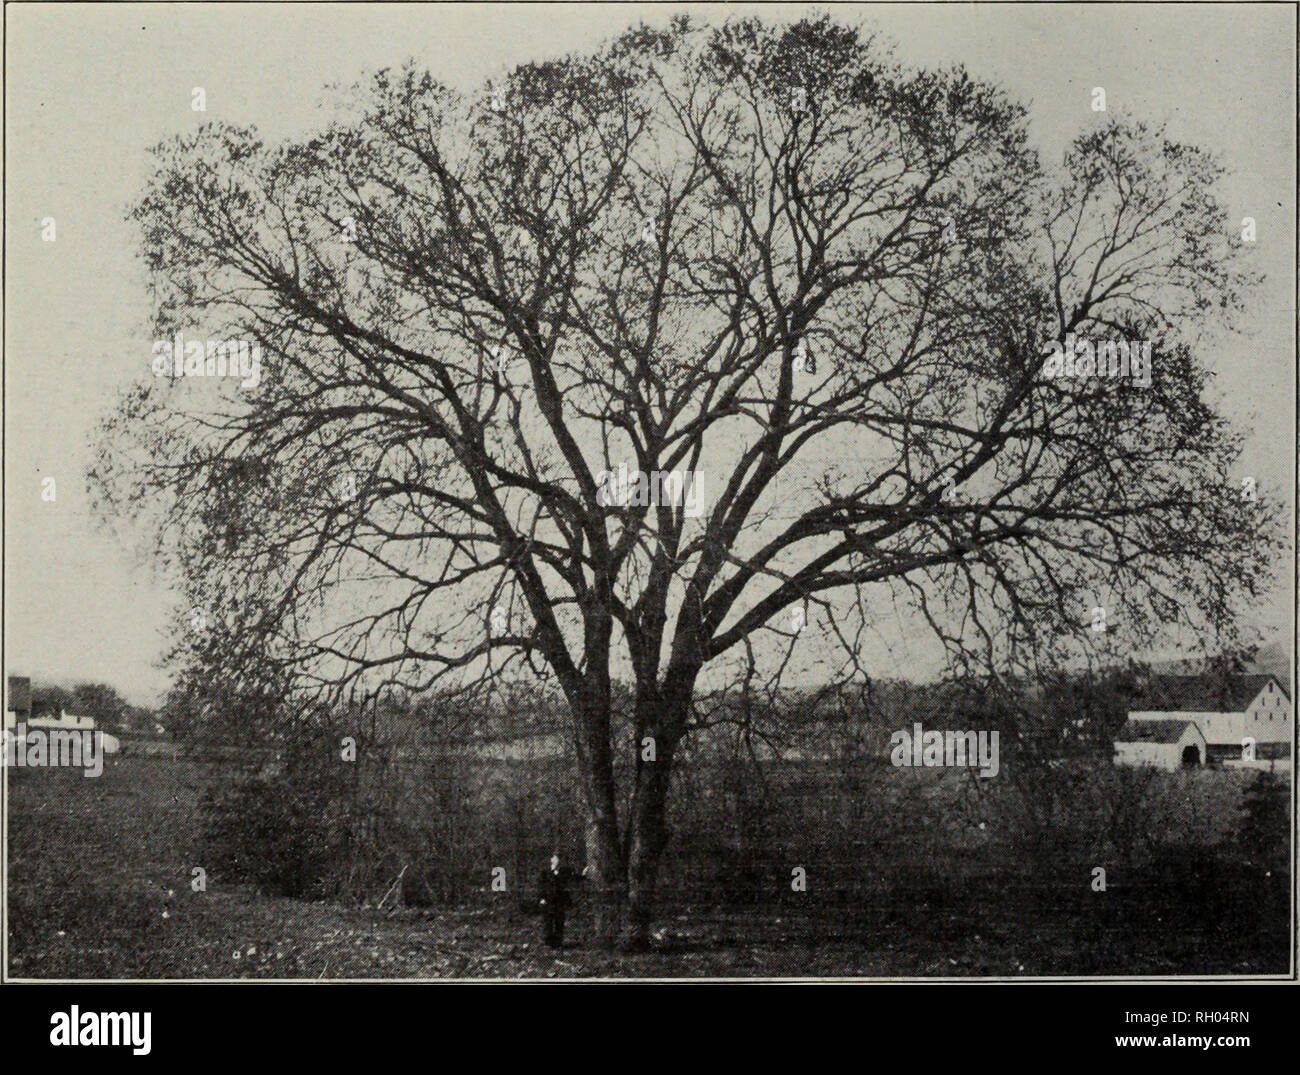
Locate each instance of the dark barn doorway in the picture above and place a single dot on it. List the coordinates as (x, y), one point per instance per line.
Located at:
(1191, 757)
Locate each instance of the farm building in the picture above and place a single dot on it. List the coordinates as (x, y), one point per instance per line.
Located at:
(1243, 721)
(1165, 744)
(64, 721)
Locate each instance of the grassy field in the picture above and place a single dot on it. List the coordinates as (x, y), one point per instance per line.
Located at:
(100, 887)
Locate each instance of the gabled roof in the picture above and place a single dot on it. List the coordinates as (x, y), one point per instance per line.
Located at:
(1207, 693)
(1154, 731)
(1280, 686)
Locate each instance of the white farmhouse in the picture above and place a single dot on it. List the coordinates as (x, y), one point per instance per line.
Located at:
(1241, 722)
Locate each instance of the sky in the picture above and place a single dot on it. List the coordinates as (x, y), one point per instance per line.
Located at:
(91, 87)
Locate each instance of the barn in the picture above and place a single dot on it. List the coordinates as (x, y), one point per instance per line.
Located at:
(1163, 743)
(1244, 721)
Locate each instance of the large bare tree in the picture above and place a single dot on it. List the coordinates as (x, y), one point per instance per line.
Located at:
(816, 289)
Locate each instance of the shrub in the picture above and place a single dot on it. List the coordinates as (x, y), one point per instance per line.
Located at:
(1265, 831)
(273, 833)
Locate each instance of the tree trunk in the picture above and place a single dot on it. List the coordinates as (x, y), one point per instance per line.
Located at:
(607, 879)
(647, 838)
(624, 865)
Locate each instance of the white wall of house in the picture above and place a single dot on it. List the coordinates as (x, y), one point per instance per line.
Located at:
(64, 720)
(72, 722)
(1161, 755)
(1268, 718)
(1191, 737)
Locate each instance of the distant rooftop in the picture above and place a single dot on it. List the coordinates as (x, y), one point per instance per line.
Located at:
(1208, 693)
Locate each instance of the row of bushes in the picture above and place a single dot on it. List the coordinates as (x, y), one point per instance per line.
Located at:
(316, 826)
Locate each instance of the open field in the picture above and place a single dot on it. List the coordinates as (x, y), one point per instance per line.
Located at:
(99, 886)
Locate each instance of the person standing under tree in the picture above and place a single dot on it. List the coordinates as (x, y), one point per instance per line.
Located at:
(553, 899)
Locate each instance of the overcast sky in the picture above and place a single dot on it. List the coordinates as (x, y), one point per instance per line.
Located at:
(89, 88)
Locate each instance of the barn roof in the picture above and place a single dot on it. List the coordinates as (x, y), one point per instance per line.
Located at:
(1153, 731)
(1208, 693)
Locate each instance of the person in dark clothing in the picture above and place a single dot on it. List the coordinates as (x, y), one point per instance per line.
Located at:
(553, 886)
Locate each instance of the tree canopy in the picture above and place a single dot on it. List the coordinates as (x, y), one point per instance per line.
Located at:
(816, 288)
